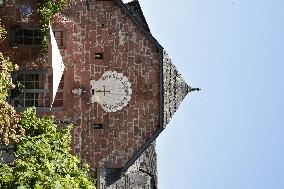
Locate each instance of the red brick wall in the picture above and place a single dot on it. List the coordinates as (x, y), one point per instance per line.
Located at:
(105, 28)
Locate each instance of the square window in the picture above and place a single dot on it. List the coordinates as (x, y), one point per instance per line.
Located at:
(36, 92)
(26, 37)
(31, 37)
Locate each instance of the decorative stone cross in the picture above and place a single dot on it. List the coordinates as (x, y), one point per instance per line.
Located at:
(104, 91)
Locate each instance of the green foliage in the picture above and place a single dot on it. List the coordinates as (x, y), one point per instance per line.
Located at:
(3, 33)
(6, 67)
(47, 9)
(10, 131)
(43, 158)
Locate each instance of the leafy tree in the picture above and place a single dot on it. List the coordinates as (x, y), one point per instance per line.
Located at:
(43, 158)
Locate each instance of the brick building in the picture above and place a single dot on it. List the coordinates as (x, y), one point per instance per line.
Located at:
(104, 44)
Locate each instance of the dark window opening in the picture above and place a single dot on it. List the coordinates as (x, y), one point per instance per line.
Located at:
(26, 36)
(98, 126)
(99, 55)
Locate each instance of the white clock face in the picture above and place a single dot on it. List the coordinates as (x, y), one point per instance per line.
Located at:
(112, 91)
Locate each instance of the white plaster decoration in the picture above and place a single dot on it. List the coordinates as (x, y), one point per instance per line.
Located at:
(56, 62)
(112, 91)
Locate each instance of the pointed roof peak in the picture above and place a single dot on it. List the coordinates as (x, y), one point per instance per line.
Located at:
(175, 88)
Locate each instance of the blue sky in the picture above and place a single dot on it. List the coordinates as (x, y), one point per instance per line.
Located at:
(230, 135)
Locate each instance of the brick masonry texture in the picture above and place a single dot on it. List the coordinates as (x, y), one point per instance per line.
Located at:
(104, 28)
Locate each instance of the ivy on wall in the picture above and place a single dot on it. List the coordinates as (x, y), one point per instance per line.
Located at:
(6, 67)
(47, 9)
(3, 33)
(10, 131)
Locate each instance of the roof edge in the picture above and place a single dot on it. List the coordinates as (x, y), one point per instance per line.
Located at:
(140, 151)
(144, 22)
(136, 21)
(161, 126)
(162, 91)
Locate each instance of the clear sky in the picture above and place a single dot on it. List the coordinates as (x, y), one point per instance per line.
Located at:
(230, 135)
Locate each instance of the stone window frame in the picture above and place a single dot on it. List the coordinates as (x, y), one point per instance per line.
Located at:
(44, 90)
(13, 37)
